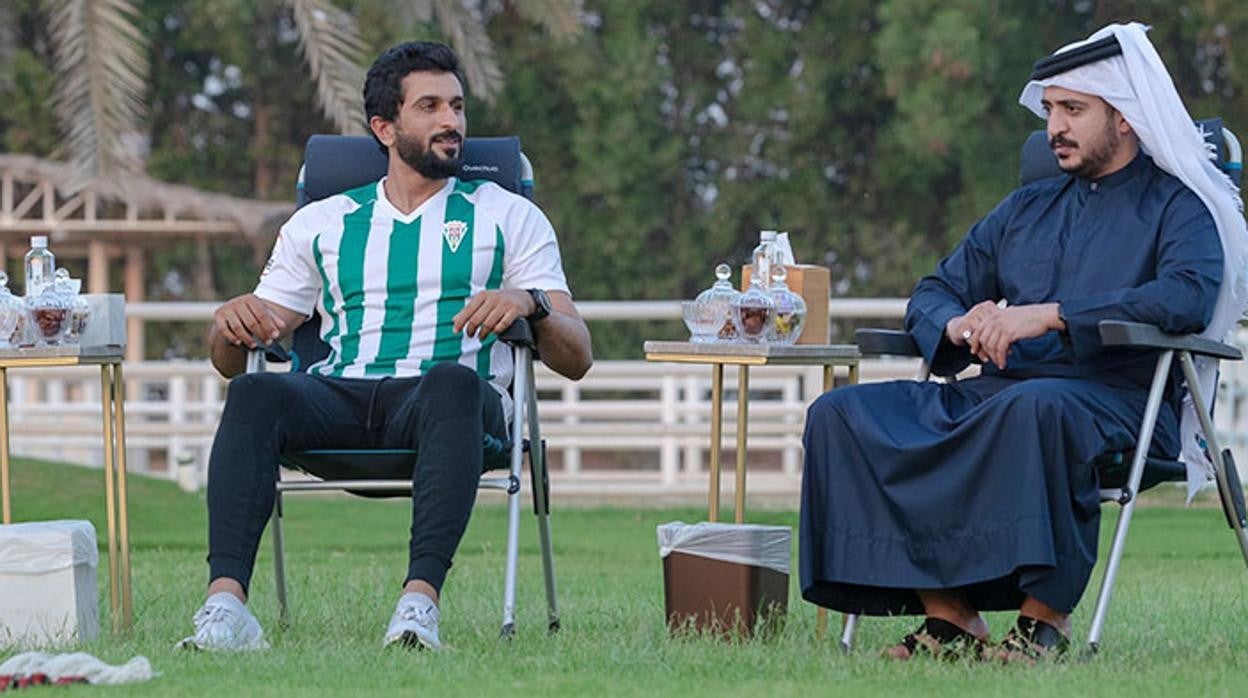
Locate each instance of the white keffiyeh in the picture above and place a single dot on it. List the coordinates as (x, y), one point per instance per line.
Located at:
(1137, 84)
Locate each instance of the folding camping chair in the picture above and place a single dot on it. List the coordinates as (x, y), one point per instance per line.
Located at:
(334, 164)
(1120, 483)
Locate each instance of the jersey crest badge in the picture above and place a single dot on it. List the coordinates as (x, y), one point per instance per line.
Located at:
(454, 232)
(268, 266)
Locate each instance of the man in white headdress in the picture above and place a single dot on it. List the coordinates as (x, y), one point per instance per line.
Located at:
(948, 499)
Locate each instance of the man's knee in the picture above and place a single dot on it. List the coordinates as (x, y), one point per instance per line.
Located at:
(838, 403)
(450, 381)
(254, 395)
(452, 387)
(1038, 398)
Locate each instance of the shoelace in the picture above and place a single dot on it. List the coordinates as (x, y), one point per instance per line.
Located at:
(424, 615)
(211, 614)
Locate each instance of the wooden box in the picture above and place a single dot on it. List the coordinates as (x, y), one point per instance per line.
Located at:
(814, 284)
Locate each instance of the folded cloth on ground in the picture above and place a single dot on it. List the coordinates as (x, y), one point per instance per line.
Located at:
(79, 667)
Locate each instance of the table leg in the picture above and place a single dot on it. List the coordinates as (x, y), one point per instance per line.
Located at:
(717, 434)
(5, 510)
(123, 511)
(743, 413)
(110, 508)
(853, 374)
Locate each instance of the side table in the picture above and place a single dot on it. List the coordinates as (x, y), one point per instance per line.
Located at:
(744, 356)
(112, 399)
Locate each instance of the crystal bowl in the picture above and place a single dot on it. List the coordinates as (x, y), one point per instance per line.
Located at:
(704, 320)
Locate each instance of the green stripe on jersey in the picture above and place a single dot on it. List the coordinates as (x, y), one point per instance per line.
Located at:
(328, 300)
(401, 289)
(494, 282)
(456, 272)
(355, 227)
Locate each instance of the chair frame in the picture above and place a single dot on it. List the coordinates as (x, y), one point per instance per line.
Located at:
(1128, 335)
(524, 421)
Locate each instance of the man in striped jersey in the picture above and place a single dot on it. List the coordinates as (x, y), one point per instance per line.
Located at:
(413, 277)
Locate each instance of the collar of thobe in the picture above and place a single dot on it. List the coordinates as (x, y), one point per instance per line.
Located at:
(1138, 166)
(1137, 84)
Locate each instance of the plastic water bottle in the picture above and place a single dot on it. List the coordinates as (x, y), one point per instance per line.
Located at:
(40, 265)
(764, 257)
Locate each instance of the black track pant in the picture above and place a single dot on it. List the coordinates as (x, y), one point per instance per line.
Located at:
(445, 415)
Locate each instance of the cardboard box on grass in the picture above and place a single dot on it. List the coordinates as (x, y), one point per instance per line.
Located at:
(48, 593)
(814, 284)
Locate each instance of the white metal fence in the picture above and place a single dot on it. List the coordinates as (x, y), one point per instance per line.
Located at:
(629, 425)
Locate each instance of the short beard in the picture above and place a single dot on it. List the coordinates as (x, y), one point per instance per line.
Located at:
(427, 162)
(1098, 155)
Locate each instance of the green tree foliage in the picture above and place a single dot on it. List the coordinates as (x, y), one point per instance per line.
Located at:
(664, 134)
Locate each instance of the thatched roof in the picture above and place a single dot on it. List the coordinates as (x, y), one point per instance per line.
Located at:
(253, 217)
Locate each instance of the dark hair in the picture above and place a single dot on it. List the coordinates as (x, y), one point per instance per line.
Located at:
(383, 88)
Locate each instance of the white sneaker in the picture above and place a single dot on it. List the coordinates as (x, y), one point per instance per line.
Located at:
(224, 624)
(414, 623)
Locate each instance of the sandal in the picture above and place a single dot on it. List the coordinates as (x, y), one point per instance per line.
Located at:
(1031, 640)
(940, 639)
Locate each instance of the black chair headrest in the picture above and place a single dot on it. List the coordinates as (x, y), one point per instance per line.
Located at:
(1038, 161)
(334, 164)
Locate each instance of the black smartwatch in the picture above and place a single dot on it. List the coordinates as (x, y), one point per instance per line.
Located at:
(542, 301)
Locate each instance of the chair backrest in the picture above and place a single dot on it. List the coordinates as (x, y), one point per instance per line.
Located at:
(334, 164)
(1038, 161)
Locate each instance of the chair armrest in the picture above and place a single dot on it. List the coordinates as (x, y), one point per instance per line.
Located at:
(875, 342)
(274, 352)
(1138, 335)
(520, 333)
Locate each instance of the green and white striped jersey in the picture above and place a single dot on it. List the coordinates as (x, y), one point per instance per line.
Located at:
(387, 284)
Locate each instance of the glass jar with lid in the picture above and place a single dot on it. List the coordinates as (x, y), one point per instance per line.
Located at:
(12, 312)
(790, 312)
(79, 308)
(709, 316)
(753, 312)
(721, 298)
(48, 312)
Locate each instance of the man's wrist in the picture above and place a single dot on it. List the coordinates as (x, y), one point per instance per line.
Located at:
(541, 305)
(1057, 321)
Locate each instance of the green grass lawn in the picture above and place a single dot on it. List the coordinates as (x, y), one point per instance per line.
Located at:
(1177, 626)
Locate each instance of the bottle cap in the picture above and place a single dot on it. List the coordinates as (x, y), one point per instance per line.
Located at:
(38, 240)
(767, 235)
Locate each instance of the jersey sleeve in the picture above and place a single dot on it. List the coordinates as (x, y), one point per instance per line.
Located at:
(532, 258)
(290, 278)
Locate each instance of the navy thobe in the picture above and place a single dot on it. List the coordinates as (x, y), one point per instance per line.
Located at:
(987, 485)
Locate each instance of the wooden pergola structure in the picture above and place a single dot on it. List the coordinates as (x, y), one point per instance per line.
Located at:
(111, 223)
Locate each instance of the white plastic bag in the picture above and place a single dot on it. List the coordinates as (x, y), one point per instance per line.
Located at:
(745, 544)
(784, 249)
(47, 546)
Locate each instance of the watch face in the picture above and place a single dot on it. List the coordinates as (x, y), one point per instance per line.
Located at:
(542, 301)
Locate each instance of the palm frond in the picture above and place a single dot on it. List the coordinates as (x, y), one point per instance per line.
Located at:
(331, 44)
(411, 13)
(562, 18)
(464, 27)
(101, 62)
